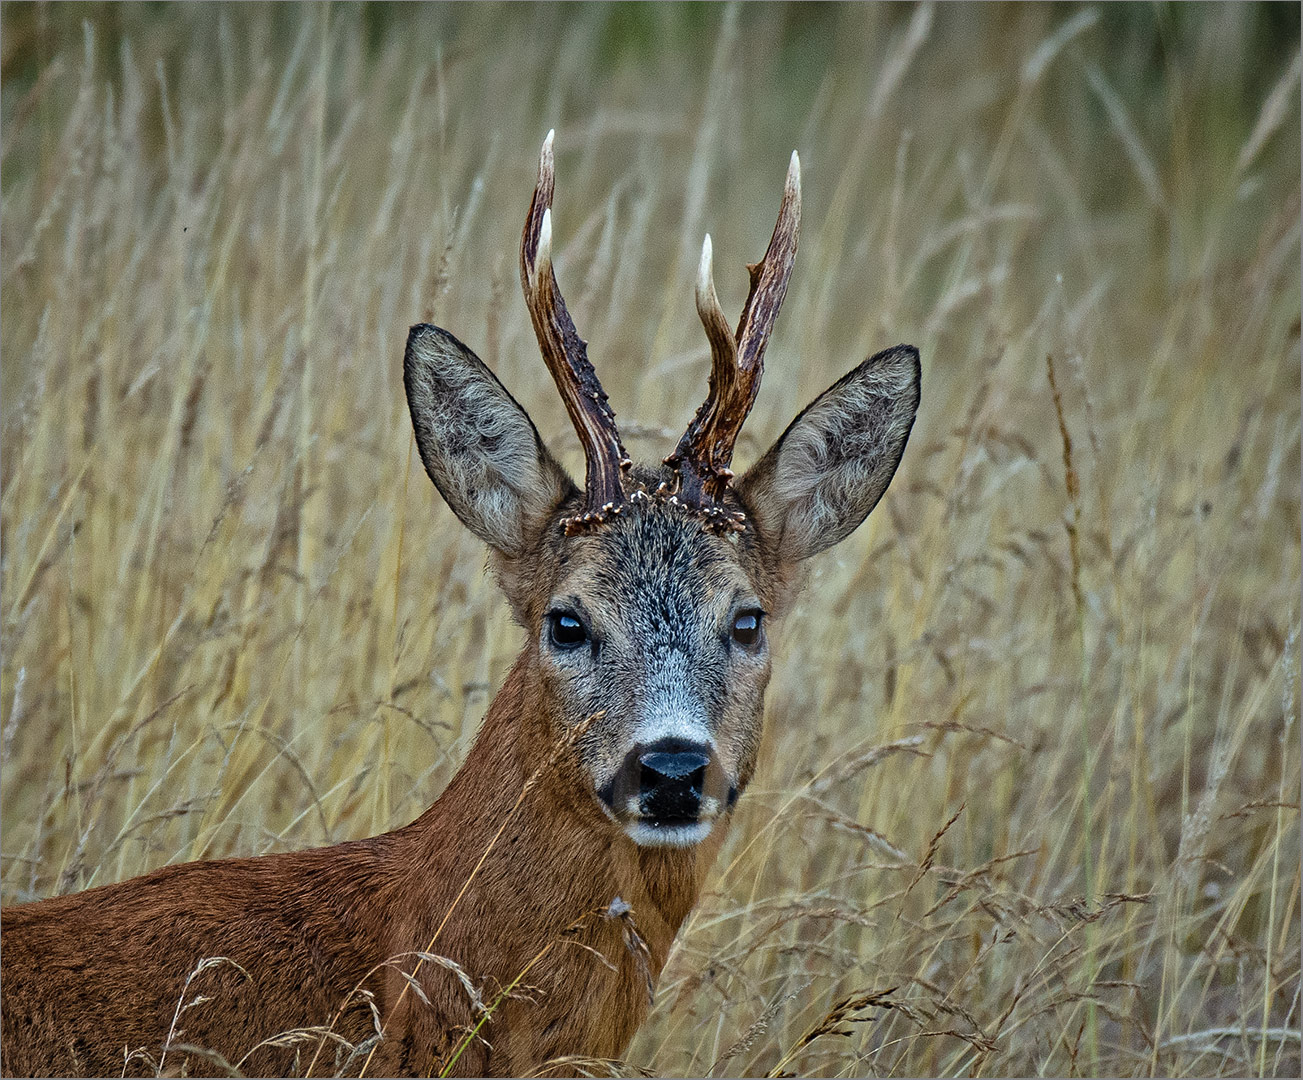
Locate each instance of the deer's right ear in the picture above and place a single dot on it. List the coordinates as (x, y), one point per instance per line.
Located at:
(480, 448)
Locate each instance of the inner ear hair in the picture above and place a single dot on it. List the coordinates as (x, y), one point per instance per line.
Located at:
(478, 445)
(828, 470)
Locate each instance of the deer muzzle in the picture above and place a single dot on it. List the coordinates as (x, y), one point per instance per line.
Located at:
(669, 792)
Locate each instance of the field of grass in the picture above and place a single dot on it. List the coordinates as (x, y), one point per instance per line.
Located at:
(1029, 797)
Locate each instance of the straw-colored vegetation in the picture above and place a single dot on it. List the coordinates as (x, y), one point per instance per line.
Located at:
(1029, 800)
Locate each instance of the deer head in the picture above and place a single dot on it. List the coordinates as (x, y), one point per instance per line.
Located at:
(649, 599)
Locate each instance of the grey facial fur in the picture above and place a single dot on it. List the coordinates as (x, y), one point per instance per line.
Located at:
(658, 595)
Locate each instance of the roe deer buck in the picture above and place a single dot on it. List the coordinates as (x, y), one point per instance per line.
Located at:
(567, 850)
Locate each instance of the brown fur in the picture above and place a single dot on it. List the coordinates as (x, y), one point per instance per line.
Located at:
(91, 977)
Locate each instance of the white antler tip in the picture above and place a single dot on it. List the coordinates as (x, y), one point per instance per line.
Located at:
(544, 256)
(704, 267)
(551, 134)
(794, 171)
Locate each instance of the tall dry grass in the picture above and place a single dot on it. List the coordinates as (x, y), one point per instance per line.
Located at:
(1029, 800)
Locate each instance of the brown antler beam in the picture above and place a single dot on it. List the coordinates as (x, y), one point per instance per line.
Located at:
(566, 356)
(704, 453)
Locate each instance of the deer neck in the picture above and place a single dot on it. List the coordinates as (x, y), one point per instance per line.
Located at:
(535, 845)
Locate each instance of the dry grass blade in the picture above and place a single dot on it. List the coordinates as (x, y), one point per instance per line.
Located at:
(929, 855)
(633, 942)
(477, 1002)
(845, 770)
(757, 1028)
(845, 1011)
(222, 1067)
(1126, 132)
(970, 878)
(573, 1065)
(1274, 112)
(955, 725)
(1078, 910)
(1072, 485)
(182, 1005)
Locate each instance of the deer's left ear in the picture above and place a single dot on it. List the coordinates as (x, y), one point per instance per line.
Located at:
(819, 481)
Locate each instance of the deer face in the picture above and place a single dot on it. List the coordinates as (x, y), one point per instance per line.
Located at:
(660, 628)
(651, 596)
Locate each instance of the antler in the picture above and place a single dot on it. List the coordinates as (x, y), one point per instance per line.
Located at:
(566, 356)
(737, 360)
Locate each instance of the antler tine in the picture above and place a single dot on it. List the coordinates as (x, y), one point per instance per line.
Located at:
(737, 360)
(723, 349)
(769, 276)
(566, 356)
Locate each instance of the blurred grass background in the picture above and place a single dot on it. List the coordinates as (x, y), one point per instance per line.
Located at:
(1029, 800)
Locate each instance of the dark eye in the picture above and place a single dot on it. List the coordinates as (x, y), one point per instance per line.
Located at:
(746, 627)
(566, 630)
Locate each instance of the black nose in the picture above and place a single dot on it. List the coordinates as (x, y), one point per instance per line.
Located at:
(670, 779)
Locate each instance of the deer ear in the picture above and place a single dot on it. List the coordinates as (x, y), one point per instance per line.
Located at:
(819, 481)
(480, 448)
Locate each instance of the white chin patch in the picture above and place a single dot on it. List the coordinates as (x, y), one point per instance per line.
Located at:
(645, 834)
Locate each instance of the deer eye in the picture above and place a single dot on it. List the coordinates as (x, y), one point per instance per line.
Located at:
(746, 626)
(566, 631)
